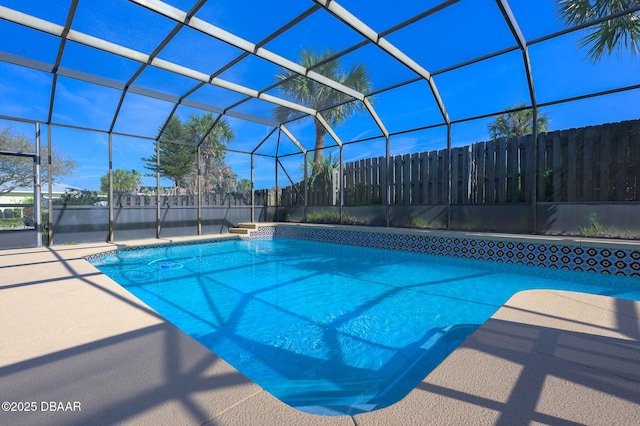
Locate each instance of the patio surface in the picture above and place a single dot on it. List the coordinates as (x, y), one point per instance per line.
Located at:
(70, 335)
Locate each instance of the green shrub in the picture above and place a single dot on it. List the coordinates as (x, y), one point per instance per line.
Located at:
(323, 216)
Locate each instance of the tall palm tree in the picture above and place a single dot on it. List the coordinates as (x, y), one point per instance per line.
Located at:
(320, 97)
(517, 121)
(619, 33)
(214, 138)
(178, 161)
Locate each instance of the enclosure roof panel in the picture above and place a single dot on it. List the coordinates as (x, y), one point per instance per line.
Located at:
(28, 43)
(259, 18)
(455, 35)
(84, 104)
(134, 64)
(383, 15)
(119, 21)
(27, 97)
(54, 11)
(536, 19)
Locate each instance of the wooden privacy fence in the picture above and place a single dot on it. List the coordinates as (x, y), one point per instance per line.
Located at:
(323, 192)
(598, 163)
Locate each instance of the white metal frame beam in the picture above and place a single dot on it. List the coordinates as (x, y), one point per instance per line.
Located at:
(125, 52)
(363, 29)
(117, 85)
(242, 44)
(293, 139)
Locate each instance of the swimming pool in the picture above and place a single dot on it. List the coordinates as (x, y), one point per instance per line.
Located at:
(330, 328)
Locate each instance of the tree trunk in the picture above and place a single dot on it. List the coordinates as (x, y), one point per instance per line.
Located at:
(319, 147)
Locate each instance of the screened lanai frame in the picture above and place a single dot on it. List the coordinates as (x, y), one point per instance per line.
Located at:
(179, 20)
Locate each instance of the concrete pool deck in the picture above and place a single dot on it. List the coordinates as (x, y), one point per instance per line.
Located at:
(70, 335)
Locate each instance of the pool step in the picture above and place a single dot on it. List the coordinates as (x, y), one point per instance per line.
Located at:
(248, 225)
(243, 228)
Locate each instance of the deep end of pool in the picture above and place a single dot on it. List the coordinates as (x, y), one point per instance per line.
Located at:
(438, 345)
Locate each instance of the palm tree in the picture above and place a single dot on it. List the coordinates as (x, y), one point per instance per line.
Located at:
(517, 121)
(618, 33)
(214, 138)
(178, 161)
(320, 97)
(322, 177)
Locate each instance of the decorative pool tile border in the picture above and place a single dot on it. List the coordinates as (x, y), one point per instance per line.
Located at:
(102, 255)
(562, 256)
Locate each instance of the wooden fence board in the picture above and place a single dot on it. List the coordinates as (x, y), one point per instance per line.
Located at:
(362, 179)
(368, 183)
(490, 177)
(375, 178)
(511, 170)
(571, 167)
(621, 151)
(424, 177)
(397, 180)
(406, 179)
(384, 176)
(588, 169)
(467, 174)
(415, 178)
(433, 173)
(455, 184)
(633, 180)
(525, 146)
(580, 164)
(604, 158)
(542, 167)
(501, 169)
(479, 169)
(556, 163)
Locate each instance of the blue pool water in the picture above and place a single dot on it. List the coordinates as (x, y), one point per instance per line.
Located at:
(331, 329)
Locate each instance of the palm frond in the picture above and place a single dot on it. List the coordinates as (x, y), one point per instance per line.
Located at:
(334, 106)
(605, 38)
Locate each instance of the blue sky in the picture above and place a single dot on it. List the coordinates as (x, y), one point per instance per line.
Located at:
(469, 29)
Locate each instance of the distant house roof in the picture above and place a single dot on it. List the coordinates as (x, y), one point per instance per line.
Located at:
(57, 189)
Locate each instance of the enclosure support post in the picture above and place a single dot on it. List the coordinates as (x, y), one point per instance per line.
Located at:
(110, 236)
(449, 176)
(253, 197)
(387, 189)
(49, 163)
(341, 184)
(306, 188)
(199, 190)
(37, 191)
(534, 162)
(504, 7)
(275, 198)
(158, 188)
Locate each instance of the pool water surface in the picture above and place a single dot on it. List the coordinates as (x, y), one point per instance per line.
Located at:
(331, 329)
